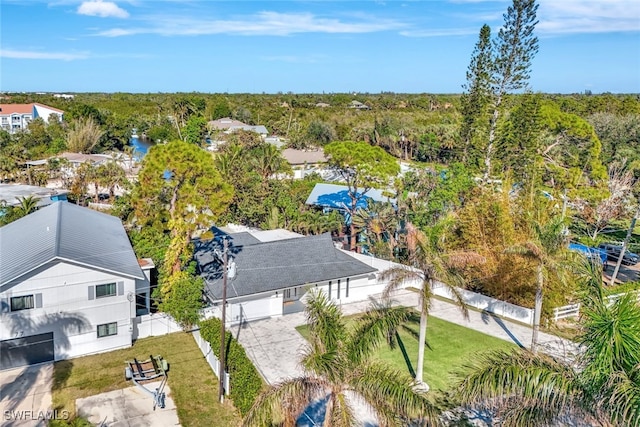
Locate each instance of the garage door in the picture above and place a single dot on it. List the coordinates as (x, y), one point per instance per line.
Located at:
(26, 350)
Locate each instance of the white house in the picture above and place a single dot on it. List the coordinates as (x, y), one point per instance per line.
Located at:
(16, 117)
(70, 285)
(271, 276)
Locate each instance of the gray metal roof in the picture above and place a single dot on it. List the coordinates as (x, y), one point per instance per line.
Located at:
(271, 266)
(66, 232)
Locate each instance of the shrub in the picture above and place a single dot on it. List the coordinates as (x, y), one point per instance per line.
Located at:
(245, 381)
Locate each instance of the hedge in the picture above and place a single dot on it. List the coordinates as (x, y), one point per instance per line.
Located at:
(245, 381)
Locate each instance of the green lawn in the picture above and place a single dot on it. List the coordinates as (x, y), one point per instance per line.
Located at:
(450, 347)
(194, 387)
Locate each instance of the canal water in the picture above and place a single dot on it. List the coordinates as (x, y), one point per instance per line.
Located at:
(141, 146)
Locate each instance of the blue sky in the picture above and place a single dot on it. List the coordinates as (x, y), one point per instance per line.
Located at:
(303, 46)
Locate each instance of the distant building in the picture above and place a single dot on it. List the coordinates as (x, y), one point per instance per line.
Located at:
(359, 105)
(16, 117)
(304, 162)
(229, 125)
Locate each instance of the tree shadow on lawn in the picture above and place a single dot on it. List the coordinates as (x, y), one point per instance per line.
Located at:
(485, 318)
(407, 360)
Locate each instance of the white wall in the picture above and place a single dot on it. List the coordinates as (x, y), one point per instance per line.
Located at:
(492, 305)
(68, 312)
(44, 112)
(153, 325)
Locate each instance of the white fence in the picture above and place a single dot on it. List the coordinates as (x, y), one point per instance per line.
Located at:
(573, 310)
(492, 305)
(153, 325)
(211, 358)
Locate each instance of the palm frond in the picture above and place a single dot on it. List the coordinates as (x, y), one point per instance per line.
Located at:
(398, 276)
(543, 387)
(621, 398)
(326, 324)
(284, 401)
(611, 337)
(391, 393)
(377, 325)
(342, 414)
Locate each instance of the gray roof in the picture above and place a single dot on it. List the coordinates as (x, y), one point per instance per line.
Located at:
(271, 266)
(66, 232)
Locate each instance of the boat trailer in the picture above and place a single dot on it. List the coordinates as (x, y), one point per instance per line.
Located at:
(141, 372)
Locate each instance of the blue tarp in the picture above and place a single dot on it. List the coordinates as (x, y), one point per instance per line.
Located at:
(589, 251)
(335, 196)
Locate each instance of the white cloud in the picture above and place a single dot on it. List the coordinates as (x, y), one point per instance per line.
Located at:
(26, 54)
(594, 16)
(103, 9)
(262, 23)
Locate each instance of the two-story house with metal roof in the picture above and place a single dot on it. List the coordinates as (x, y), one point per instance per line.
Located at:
(70, 285)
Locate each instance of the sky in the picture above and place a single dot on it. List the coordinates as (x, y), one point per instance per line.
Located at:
(404, 46)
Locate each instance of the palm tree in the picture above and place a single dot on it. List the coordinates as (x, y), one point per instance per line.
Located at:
(26, 205)
(267, 161)
(337, 363)
(601, 387)
(111, 175)
(547, 249)
(379, 224)
(429, 265)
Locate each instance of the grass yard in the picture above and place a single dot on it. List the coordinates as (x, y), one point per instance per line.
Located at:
(451, 347)
(194, 387)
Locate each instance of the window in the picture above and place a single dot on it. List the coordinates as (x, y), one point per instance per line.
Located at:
(329, 289)
(107, 329)
(346, 295)
(338, 288)
(106, 290)
(24, 302)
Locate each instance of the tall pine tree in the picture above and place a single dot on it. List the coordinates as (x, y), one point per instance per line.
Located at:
(515, 47)
(477, 98)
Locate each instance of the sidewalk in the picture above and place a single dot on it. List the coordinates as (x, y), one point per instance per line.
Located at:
(274, 345)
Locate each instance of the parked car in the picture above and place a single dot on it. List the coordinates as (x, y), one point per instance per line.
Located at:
(613, 253)
(594, 254)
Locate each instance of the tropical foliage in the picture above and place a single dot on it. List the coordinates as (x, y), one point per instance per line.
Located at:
(428, 267)
(600, 387)
(340, 371)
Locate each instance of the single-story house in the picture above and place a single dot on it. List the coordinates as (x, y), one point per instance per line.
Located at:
(270, 277)
(304, 162)
(70, 285)
(229, 125)
(359, 105)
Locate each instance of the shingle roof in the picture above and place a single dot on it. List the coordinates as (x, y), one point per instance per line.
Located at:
(66, 232)
(300, 157)
(271, 266)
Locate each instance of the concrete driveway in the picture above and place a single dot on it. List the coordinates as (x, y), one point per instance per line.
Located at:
(129, 407)
(25, 396)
